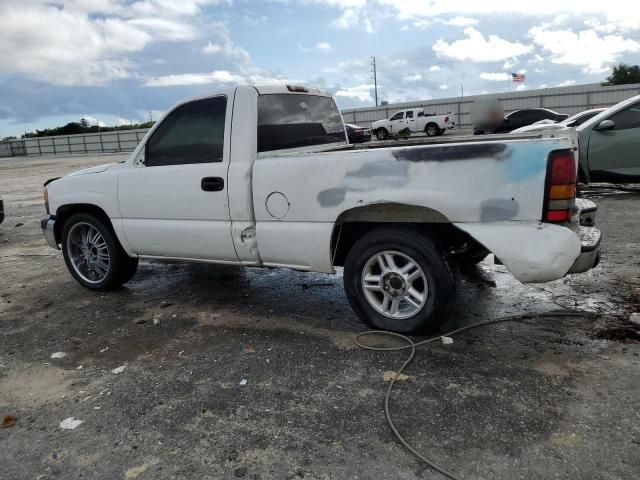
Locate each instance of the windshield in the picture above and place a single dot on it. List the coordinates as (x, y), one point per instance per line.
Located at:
(292, 121)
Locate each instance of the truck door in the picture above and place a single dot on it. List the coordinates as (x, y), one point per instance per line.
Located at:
(174, 203)
(397, 122)
(411, 120)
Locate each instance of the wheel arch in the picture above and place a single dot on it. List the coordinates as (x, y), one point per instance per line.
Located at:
(64, 212)
(354, 223)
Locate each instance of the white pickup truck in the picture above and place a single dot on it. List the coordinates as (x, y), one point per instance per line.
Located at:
(265, 177)
(415, 120)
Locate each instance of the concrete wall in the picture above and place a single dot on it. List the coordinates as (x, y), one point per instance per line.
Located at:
(568, 100)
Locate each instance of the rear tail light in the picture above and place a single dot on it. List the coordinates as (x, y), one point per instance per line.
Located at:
(446, 119)
(561, 187)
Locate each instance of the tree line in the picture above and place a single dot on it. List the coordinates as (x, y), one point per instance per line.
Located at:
(83, 126)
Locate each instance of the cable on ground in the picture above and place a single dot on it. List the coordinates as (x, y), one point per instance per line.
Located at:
(411, 345)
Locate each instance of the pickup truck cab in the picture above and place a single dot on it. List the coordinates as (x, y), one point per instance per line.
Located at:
(415, 120)
(265, 177)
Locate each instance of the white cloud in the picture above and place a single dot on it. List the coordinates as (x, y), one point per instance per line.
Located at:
(217, 77)
(566, 83)
(320, 47)
(224, 45)
(93, 121)
(585, 48)
(347, 65)
(443, 87)
(83, 42)
(324, 47)
(461, 21)
(521, 87)
(495, 76)
(536, 59)
(435, 68)
(476, 48)
(412, 78)
(212, 49)
(361, 92)
(421, 24)
(419, 8)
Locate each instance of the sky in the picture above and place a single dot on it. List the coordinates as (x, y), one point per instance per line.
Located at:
(121, 61)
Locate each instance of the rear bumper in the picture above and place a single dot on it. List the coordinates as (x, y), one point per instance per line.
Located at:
(48, 225)
(589, 250)
(585, 213)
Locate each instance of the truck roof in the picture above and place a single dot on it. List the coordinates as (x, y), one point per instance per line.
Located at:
(262, 90)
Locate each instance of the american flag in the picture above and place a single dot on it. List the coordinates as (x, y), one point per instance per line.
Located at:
(517, 77)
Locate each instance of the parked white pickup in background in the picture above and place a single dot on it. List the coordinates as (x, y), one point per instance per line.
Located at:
(416, 120)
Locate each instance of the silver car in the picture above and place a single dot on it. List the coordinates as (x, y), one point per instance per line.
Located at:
(610, 144)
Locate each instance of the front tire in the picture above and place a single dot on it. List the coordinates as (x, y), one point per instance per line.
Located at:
(398, 279)
(382, 134)
(93, 254)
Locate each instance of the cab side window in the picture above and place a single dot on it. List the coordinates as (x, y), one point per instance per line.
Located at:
(627, 118)
(410, 114)
(192, 133)
(398, 116)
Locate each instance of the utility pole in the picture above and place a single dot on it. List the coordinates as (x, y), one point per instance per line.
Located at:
(150, 116)
(375, 77)
(461, 91)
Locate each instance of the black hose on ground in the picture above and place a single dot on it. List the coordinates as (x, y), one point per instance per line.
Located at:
(411, 345)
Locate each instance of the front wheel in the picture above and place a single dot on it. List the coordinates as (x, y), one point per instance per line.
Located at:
(382, 134)
(93, 254)
(398, 279)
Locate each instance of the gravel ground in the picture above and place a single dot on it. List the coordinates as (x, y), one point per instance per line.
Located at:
(250, 373)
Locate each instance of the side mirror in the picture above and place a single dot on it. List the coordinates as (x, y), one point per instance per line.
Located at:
(572, 124)
(605, 125)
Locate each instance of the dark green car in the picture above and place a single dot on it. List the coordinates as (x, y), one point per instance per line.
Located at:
(610, 144)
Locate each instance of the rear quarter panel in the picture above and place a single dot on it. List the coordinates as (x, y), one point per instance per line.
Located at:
(475, 182)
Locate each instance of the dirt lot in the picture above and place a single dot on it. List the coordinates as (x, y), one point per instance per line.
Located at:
(233, 373)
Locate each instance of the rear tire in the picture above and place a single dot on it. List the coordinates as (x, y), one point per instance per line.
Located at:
(431, 130)
(382, 134)
(425, 293)
(93, 254)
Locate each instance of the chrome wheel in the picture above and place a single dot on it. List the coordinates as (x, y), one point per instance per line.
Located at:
(432, 131)
(394, 284)
(88, 252)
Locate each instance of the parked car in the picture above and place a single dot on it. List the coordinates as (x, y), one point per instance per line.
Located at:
(520, 118)
(264, 177)
(574, 121)
(610, 144)
(357, 134)
(1, 209)
(416, 121)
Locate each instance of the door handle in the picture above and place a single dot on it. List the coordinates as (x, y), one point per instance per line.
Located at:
(212, 184)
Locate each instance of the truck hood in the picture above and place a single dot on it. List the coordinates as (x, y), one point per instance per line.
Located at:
(86, 171)
(378, 123)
